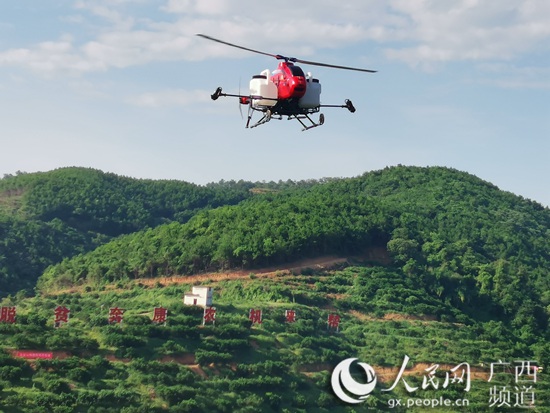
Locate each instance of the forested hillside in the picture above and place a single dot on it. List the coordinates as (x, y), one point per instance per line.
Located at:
(461, 238)
(141, 366)
(45, 217)
(468, 280)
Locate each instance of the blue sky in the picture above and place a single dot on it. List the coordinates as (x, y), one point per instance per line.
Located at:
(124, 86)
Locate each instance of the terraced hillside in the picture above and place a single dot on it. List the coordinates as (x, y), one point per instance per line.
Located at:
(237, 366)
(438, 280)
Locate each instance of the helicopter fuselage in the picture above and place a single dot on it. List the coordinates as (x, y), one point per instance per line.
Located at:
(285, 91)
(290, 81)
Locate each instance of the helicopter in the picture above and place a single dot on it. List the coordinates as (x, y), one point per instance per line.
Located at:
(285, 91)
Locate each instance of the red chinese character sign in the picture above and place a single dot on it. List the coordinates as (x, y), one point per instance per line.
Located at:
(31, 354)
(7, 315)
(333, 321)
(159, 315)
(116, 315)
(61, 314)
(209, 315)
(255, 316)
(290, 316)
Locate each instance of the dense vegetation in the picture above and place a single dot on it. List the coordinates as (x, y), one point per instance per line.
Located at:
(45, 217)
(468, 281)
(462, 239)
(183, 366)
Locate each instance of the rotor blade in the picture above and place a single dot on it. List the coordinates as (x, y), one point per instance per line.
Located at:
(307, 62)
(291, 59)
(238, 47)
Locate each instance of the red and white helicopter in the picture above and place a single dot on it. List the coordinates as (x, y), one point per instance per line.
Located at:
(287, 91)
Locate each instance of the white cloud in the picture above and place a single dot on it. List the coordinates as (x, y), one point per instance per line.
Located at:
(107, 12)
(420, 33)
(119, 39)
(207, 7)
(48, 57)
(470, 30)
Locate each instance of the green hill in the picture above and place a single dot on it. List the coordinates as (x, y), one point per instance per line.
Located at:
(462, 239)
(468, 282)
(232, 366)
(45, 217)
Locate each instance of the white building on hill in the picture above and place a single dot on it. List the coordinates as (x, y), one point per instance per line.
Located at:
(201, 296)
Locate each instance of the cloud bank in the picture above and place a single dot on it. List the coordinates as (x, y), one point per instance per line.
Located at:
(422, 33)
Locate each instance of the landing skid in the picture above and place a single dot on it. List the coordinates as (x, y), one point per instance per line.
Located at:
(311, 124)
(264, 119)
(300, 118)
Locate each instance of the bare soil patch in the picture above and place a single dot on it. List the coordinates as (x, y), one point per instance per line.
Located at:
(274, 271)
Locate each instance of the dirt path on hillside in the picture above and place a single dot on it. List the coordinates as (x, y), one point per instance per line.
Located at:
(374, 254)
(267, 272)
(384, 374)
(289, 268)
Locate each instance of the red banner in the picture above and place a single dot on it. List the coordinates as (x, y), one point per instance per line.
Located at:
(31, 354)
